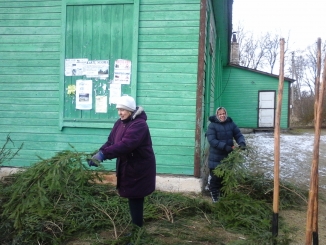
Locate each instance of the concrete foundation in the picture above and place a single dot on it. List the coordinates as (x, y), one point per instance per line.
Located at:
(169, 183)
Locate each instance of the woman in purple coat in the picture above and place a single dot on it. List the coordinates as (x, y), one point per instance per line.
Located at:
(130, 143)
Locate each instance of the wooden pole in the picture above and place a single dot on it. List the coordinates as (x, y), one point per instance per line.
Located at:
(312, 212)
(317, 83)
(315, 238)
(277, 142)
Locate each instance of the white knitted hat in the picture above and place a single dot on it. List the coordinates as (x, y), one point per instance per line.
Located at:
(126, 102)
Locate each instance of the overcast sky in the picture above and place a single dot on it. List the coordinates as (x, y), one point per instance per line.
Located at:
(304, 20)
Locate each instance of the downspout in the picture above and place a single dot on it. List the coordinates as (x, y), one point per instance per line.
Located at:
(200, 86)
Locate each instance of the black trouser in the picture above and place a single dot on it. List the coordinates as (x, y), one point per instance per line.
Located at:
(136, 207)
(215, 185)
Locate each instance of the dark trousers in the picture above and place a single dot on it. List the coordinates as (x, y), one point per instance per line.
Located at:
(136, 207)
(215, 185)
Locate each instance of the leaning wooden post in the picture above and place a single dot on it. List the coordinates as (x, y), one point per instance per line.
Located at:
(315, 238)
(312, 212)
(277, 142)
(317, 83)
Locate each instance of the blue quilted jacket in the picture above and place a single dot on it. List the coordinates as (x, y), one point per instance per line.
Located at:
(219, 136)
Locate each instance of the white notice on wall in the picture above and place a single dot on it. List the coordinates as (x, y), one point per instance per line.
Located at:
(84, 94)
(75, 67)
(122, 71)
(101, 104)
(115, 93)
(97, 68)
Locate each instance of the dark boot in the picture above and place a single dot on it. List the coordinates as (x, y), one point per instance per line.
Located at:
(215, 194)
(214, 186)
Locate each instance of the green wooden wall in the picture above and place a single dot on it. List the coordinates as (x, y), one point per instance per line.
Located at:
(166, 81)
(164, 77)
(96, 32)
(213, 73)
(29, 78)
(240, 95)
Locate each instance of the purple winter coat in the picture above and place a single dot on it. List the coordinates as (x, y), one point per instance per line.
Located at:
(130, 142)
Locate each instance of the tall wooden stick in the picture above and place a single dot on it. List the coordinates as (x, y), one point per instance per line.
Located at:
(277, 142)
(312, 212)
(315, 238)
(317, 83)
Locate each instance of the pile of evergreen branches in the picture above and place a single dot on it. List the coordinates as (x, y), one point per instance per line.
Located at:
(58, 199)
(246, 204)
(55, 198)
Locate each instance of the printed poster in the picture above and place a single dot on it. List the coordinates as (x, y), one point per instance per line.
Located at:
(84, 94)
(75, 67)
(122, 71)
(97, 68)
(115, 93)
(101, 104)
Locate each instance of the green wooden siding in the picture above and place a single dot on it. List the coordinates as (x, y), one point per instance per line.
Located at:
(211, 74)
(167, 79)
(241, 88)
(36, 37)
(96, 32)
(213, 77)
(223, 11)
(30, 48)
(219, 77)
(29, 77)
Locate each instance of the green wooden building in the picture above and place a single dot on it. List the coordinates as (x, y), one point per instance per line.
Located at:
(250, 97)
(60, 76)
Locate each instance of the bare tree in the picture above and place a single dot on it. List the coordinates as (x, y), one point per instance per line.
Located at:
(311, 68)
(252, 51)
(304, 69)
(272, 49)
(258, 53)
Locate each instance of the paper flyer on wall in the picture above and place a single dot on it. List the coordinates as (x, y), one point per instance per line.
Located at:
(75, 67)
(97, 68)
(122, 71)
(115, 93)
(101, 104)
(84, 94)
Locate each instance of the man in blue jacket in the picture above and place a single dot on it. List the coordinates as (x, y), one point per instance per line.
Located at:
(220, 134)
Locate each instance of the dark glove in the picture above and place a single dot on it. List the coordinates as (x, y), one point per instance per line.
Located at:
(242, 146)
(228, 148)
(96, 159)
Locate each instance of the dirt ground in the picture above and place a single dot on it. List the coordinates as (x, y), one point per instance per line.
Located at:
(298, 219)
(296, 152)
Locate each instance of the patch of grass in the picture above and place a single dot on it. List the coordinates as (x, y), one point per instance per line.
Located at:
(299, 131)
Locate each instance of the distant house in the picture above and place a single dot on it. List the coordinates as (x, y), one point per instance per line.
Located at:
(250, 95)
(53, 95)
